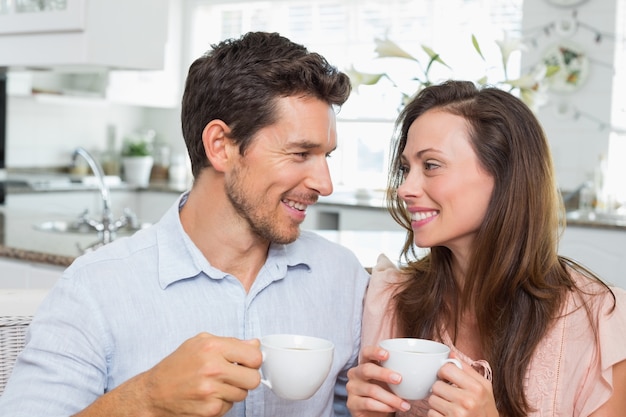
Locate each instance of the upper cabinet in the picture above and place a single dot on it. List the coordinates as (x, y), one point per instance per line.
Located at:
(120, 34)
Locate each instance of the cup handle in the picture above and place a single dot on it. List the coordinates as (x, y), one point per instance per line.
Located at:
(454, 361)
(263, 380)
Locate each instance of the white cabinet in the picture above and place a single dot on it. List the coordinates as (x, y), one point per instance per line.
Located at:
(149, 206)
(33, 16)
(105, 33)
(28, 275)
(160, 88)
(345, 217)
(152, 205)
(72, 203)
(601, 250)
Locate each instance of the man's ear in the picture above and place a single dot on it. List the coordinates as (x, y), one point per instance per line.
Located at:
(216, 144)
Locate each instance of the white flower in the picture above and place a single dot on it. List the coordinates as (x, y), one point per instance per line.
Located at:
(386, 48)
(508, 46)
(530, 86)
(358, 78)
(531, 79)
(533, 91)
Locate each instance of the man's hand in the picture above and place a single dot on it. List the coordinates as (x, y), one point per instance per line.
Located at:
(203, 377)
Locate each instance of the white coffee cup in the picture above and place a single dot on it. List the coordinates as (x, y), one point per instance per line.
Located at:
(418, 361)
(295, 366)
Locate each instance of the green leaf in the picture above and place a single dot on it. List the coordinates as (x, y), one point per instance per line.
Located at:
(141, 148)
(552, 69)
(482, 80)
(477, 47)
(433, 56)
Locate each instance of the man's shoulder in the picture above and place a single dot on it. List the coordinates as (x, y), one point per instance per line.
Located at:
(131, 249)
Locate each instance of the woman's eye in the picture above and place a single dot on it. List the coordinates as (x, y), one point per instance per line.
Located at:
(403, 170)
(429, 166)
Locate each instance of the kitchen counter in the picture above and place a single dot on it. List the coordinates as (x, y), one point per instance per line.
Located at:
(20, 240)
(342, 196)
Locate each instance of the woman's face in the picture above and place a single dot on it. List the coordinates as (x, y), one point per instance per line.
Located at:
(445, 189)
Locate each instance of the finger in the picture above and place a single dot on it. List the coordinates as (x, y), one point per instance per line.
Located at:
(241, 376)
(463, 377)
(368, 389)
(466, 390)
(373, 354)
(371, 371)
(232, 361)
(246, 353)
(375, 397)
(242, 352)
(368, 404)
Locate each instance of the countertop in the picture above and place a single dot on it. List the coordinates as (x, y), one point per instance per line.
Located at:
(20, 240)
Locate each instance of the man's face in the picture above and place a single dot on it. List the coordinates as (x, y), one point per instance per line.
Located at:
(284, 169)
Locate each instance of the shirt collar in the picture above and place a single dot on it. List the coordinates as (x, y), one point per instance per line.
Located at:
(180, 258)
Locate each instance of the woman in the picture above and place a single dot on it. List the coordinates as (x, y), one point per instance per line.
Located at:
(538, 334)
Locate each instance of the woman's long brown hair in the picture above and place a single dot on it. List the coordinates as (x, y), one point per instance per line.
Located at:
(516, 283)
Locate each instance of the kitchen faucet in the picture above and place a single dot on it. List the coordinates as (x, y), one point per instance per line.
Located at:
(97, 171)
(106, 227)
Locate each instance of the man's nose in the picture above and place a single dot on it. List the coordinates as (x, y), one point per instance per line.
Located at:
(320, 180)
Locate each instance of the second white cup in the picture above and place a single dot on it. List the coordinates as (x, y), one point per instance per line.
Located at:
(295, 366)
(418, 361)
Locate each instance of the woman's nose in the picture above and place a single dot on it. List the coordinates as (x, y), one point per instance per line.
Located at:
(410, 187)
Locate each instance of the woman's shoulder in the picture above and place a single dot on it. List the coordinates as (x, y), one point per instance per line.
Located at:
(597, 296)
(573, 362)
(385, 278)
(378, 311)
(385, 271)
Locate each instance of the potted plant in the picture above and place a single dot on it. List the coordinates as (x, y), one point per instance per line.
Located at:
(137, 162)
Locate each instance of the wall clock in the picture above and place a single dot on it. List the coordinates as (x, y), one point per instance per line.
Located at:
(566, 3)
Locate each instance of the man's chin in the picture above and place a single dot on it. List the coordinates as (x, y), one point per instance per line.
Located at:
(287, 237)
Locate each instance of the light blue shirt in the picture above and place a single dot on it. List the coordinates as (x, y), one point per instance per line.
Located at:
(118, 311)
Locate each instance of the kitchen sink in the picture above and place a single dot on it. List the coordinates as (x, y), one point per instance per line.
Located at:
(81, 227)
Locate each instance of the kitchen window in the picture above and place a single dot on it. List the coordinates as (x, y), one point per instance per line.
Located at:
(344, 32)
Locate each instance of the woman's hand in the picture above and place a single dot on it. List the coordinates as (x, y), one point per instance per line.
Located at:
(368, 395)
(465, 394)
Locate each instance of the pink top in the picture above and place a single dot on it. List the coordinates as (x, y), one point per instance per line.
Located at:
(570, 373)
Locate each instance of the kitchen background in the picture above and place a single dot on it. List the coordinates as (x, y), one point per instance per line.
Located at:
(92, 73)
(49, 113)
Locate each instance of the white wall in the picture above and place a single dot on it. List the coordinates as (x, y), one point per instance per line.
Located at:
(43, 133)
(576, 123)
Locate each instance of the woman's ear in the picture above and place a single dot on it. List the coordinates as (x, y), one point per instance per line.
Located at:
(215, 140)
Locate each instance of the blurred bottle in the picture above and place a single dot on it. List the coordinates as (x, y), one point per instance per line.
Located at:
(178, 172)
(110, 159)
(161, 155)
(587, 197)
(600, 173)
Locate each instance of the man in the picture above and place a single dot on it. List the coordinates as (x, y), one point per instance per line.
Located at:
(166, 322)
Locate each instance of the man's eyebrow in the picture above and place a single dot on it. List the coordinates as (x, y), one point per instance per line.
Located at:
(305, 144)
